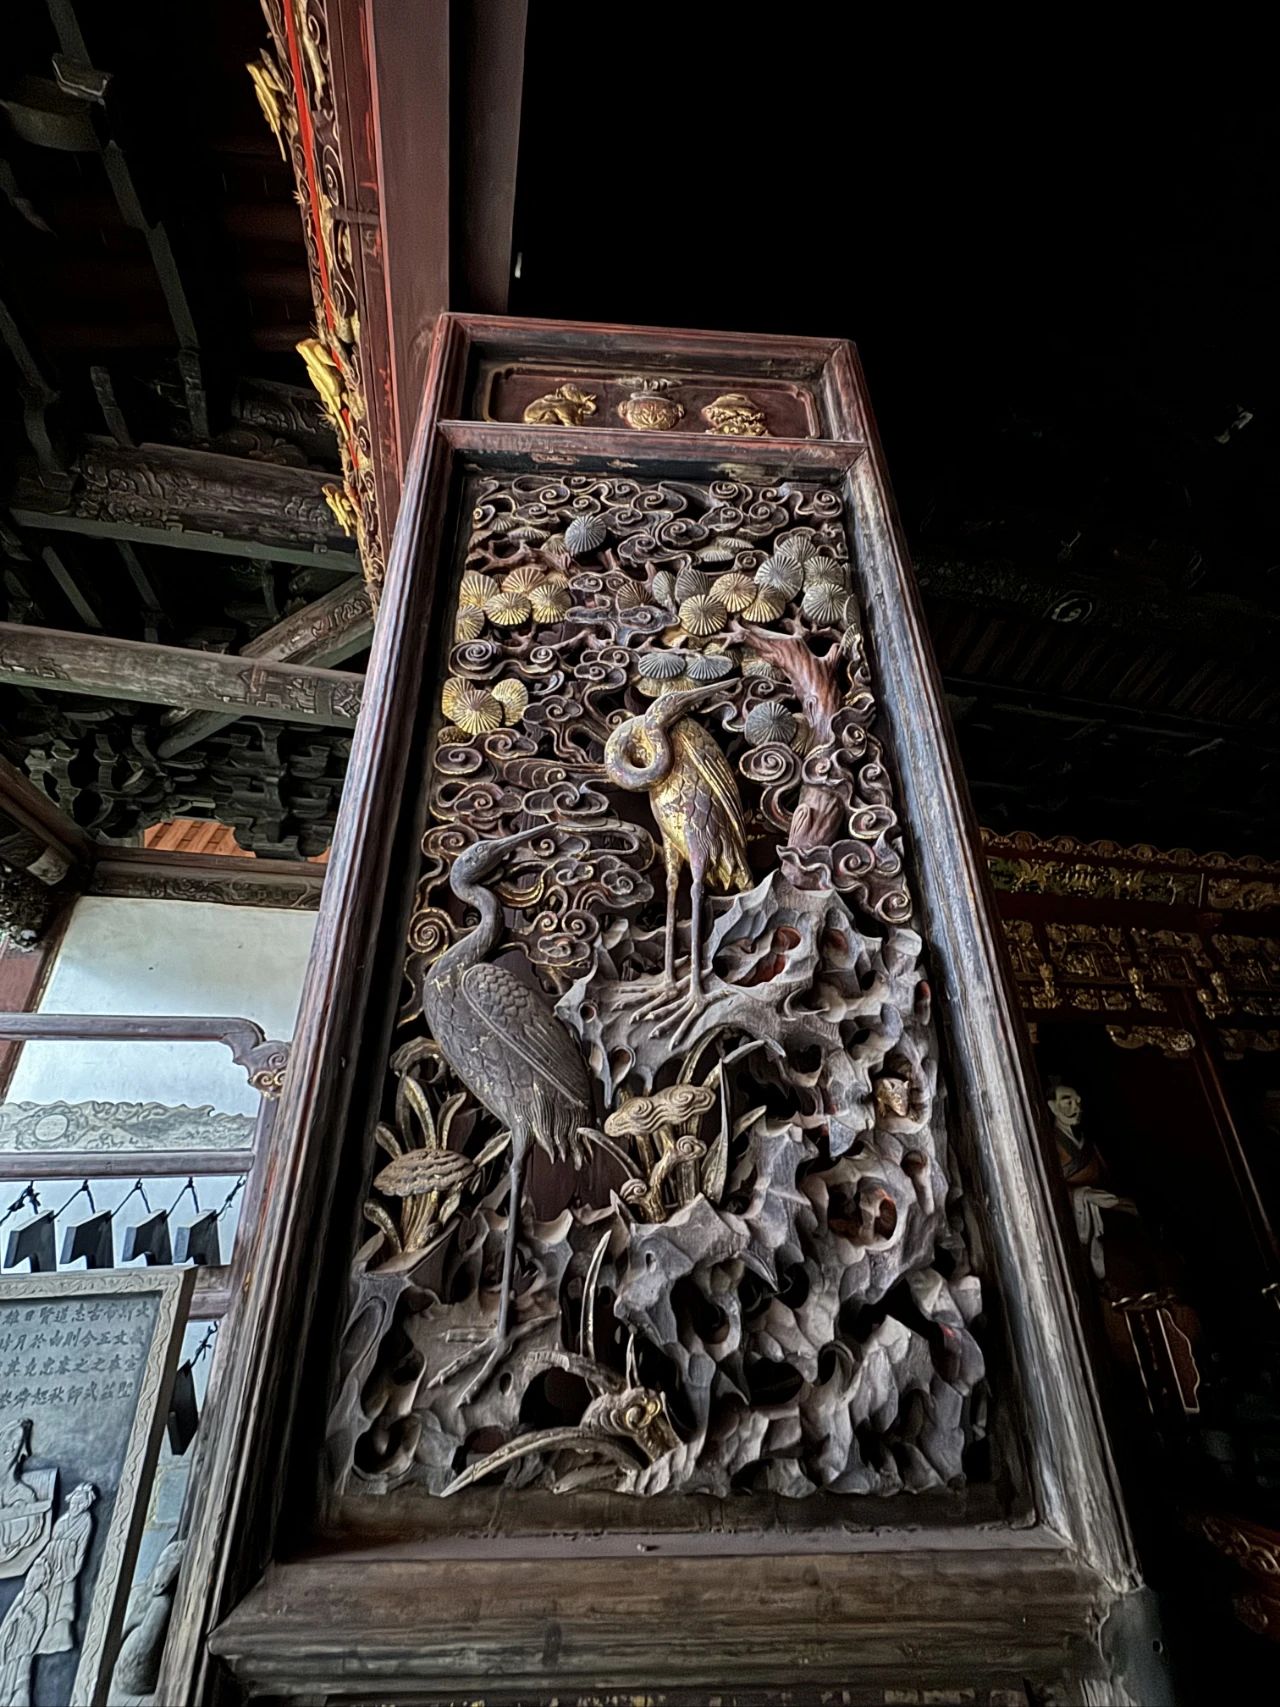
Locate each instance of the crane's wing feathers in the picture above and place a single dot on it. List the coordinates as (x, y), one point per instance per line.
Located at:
(520, 1019)
(719, 818)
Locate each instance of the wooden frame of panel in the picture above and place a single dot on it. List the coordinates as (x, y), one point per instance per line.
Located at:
(1022, 1593)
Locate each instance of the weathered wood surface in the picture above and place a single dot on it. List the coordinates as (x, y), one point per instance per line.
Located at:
(1053, 1466)
(1066, 1449)
(157, 875)
(171, 675)
(351, 987)
(162, 495)
(648, 1623)
(327, 631)
(621, 451)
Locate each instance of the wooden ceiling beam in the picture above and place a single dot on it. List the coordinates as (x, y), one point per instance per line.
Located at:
(327, 631)
(1074, 597)
(55, 662)
(162, 495)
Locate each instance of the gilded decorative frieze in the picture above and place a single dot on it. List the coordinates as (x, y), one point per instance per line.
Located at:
(712, 405)
(295, 71)
(1171, 1041)
(1105, 968)
(1023, 864)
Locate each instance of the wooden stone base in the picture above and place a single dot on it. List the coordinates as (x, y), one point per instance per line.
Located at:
(783, 1628)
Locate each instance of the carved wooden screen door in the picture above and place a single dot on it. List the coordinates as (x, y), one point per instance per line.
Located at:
(659, 1195)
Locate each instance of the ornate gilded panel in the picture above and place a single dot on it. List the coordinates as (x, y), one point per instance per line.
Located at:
(650, 402)
(664, 1198)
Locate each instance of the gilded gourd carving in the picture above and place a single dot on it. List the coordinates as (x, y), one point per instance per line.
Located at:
(650, 408)
(665, 1198)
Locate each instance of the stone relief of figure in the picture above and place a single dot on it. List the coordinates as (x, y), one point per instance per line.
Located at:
(146, 1625)
(26, 1504)
(41, 1618)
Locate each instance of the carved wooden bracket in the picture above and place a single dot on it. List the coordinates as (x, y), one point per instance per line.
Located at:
(264, 1060)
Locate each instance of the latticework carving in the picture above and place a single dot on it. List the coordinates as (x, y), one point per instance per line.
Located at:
(694, 999)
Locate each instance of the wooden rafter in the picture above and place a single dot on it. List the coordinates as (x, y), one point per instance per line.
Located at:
(327, 631)
(162, 495)
(169, 675)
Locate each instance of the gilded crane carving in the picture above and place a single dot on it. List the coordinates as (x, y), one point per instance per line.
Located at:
(502, 1040)
(699, 814)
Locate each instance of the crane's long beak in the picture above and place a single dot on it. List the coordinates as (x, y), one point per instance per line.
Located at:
(518, 836)
(669, 706)
(502, 843)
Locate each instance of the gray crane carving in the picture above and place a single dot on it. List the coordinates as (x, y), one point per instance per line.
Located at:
(504, 1042)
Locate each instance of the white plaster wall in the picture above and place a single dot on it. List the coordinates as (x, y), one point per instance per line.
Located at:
(165, 957)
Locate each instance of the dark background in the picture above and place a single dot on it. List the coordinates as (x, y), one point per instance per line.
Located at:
(1058, 260)
(1056, 253)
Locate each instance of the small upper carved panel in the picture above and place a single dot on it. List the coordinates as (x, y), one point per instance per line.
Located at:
(727, 407)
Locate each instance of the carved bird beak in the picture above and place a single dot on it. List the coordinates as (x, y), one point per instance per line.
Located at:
(668, 707)
(518, 836)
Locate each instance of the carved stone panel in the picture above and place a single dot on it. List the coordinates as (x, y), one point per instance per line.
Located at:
(86, 1368)
(663, 1198)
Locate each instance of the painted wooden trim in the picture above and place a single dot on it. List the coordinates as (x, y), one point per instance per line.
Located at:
(255, 1387)
(61, 662)
(155, 875)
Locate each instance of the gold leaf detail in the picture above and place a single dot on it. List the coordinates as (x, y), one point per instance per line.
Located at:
(548, 603)
(735, 591)
(513, 696)
(507, 609)
(703, 614)
(474, 709)
(523, 580)
(476, 590)
(767, 606)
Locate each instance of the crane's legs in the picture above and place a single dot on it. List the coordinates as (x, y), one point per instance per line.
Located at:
(695, 940)
(667, 989)
(673, 885)
(498, 1341)
(674, 1006)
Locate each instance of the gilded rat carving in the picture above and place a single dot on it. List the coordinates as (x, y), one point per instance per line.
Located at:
(567, 406)
(664, 1198)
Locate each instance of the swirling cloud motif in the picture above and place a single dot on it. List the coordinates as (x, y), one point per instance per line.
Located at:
(479, 659)
(566, 800)
(459, 758)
